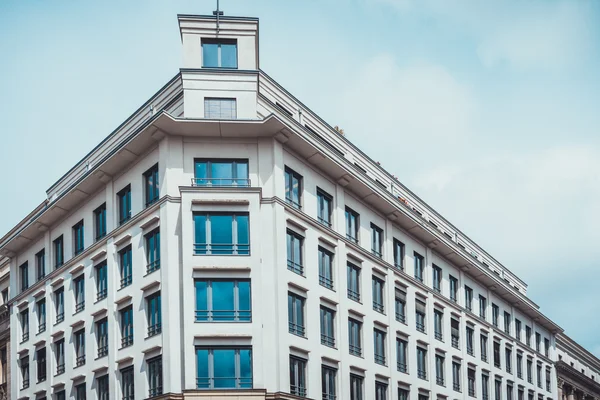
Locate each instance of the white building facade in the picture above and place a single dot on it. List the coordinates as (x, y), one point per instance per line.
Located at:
(225, 242)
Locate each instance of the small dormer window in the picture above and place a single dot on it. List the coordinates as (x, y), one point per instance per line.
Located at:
(219, 53)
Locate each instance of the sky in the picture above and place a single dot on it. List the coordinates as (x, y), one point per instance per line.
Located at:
(489, 111)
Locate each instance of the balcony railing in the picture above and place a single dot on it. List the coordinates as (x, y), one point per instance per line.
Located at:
(325, 282)
(472, 392)
(421, 327)
(298, 390)
(60, 369)
(328, 340)
(79, 361)
(378, 307)
(296, 329)
(470, 351)
(438, 336)
(380, 359)
(295, 267)
(41, 327)
(483, 357)
(223, 382)
(456, 387)
(60, 317)
(400, 366)
(439, 380)
(221, 249)
(102, 351)
(126, 281)
(223, 315)
(400, 317)
(153, 266)
(102, 293)
(154, 329)
(80, 306)
(221, 182)
(421, 374)
(126, 341)
(455, 342)
(353, 295)
(155, 391)
(355, 350)
(25, 337)
(328, 396)
(25, 383)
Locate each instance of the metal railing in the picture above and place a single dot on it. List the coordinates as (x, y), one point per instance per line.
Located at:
(421, 327)
(377, 306)
(352, 238)
(25, 337)
(60, 369)
(41, 327)
(221, 382)
(126, 341)
(298, 390)
(223, 315)
(153, 266)
(80, 306)
(455, 341)
(328, 396)
(60, 317)
(380, 359)
(155, 391)
(126, 281)
(295, 267)
(102, 351)
(376, 253)
(400, 317)
(470, 351)
(154, 329)
(456, 387)
(296, 329)
(293, 203)
(221, 182)
(483, 357)
(401, 366)
(79, 361)
(325, 282)
(422, 374)
(355, 350)
(324, 221)
(221, 249)
(353, 295)
(438, 336)
(472, 392)
(439, 380)
(102, 293)
(327, 340)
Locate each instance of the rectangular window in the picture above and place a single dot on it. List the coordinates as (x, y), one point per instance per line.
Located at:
(294, 252)
(24, 272)
(420, 312)
(151, 189)
(470, 340)
(482, 306)
(438, 322)
(439, 370)
(155, 377)
(296, 314)
(529, 371)
(508, 361)
(400, 306)
(153, 251)
(80, 392)
(325, 268)
(298, 376)
(403, 394)
(376, 240)
(219, 108)
(421, 363)
(518, 329)
(519, 366)
(497, 389)
(548, 379)
(538, 339)
(471, 382)
(41, 315)
(24, 325)
(100, 221)
(539, 375)
(528, 335)
(353, 282)
(468, 298)
(59, 302)
(40, 264)
(485, 387)
(398, 254)
(127, 384)
(224, 368)
(402, 359)
(223, 300)
(78, 235)
(79, 286)
(60, 395)
(496, 354)
(354, 337)
(509, 392)
(24, 365)
(456, 377)
(352, 225)
(379, 343)
(495, 314)
(324, 207)
(327, 326)
(419, 261)
(453, 288)
(219, 53)
(328, 383)
(59, 348)
(125, 266)
(126, 326)
(378, 295)
(102, 387)
(506, 322)
(356, 387)
(101, 281)
(546, 347)
(293, 188)
(40, 356)
(102, 337)
(153, 307)
(221, 234)
(484, 347)
(455, 333)
(437, 278)
(59, 255)
(124, 199)
(80, 347)
(380, 391)
(221, 172)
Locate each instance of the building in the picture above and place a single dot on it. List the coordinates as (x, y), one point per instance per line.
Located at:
(578, 371)
(226, 242)
(4, 330)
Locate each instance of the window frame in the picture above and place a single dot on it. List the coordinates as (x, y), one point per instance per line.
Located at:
(376, 241)
(220, 101)
(151, 185)
(326, 270)
(236, 248)
(78, 238)
(324, 216)
(154, 314)
(124, 202)
(219, 43)
(292, 177)
(208, 181)
(296, 314)
(208, 382)
(239, 315)
(100, 222)
(352, 222)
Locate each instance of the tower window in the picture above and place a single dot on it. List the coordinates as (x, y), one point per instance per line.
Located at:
(219, 53)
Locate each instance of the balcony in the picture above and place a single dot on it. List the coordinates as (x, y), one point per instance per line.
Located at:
(400, 317)
(325, 282)
(438, 336)
(455, 342)
(378, 307)
(296, 329)
(401, 367)
(155, 329)
(422, 374)
(380, 359)
(355, 350)
(220, 182)
(421, 327)
(327, 340)
(439, 380)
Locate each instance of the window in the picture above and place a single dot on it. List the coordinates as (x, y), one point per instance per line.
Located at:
(221, 172)
(398, 254)
(352, 225)
(100, 221)
(438, 321)
(400, 305)
(548, 379)
(293, 188)
(546, 347)
(497, 389)
(483, 341)
(327, 326)
(127, 384)
(539, 375)
(59, 257)
(40, 356)
(482, 306)
(80, 392)
(496, 354)
(125, 266)
(59, 349)
(41, 315)
(79, 285)
(78, 233)
(470, 339)
(24, 272)
(325, 268)
(439, 369)
(126, 326)
(219, 108)
(403, 394)
(40, 264)
(24, 364)
(219, 53)
(519, 366)
(379, 342)
(468, 298)
(155, 378)
(151, 189)
(521, 394)
(298, 376)
(495, 314)
(354, 339)
(378, 296)
(420, 315)
(24, 325)
(296, 314)
(153, 251)
(401, 346)
(59, 302)
(529, 371)
(380, 391)
(80, 347)
(455, 333)
(294, 252)
(102, 337)
(471, 382)
(421, 363)
(101, 281)
(518, 329)
(508, 357)
(453, 287)
(102, 387)
(456, 376)
(376, 240)
(507, 322)
(328, 382)
(509, 391)
(528, 335)
(437, 278)
(485, 386)
(419, 267)
(538, 339)
(60, 395)
(353, 282)
(5, 296)
(324, 207)
(224, 367)
(221, 234)
(153, 307)
(124, 199)
(356, 387)
(223, 300)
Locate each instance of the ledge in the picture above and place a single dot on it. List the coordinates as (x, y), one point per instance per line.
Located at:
(58, 281)
(123, 299)
(122, 240)
(98, 255)
(151, 221)
(56, 334)
(39, 343)
(23, 304)
(77, 269)
(58, 384)
(124, 359)
(99, 312)
(24, 350)
(77, 377)
(216, 202)
(151, 349)
(38, 392)
(77, 323)
(100, 369)
(150, 285)
(39, 293)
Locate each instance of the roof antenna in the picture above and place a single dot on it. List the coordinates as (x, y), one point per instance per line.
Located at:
(218, 13)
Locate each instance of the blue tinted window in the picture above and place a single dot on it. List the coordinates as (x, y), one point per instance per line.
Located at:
(225, 368)
(124, 205)
(229, 55)
(151, 185)
(78, 237)
(219, 53)
(126, 268)
(101, 280)
(221, 234)
(223, 300)
(100, 216)
(210, 55)
(153, 251)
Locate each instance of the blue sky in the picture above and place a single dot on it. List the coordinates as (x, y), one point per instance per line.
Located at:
(491, 113)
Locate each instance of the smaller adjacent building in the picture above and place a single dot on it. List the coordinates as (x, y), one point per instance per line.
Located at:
(4, 330)
(578, 371)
